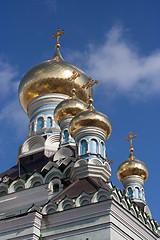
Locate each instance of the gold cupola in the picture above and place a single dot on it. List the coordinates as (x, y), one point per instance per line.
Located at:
(132, 166)
(90, 117)
(70, 107)
(51, 77)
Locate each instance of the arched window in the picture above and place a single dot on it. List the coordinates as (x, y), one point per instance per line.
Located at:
(130, 192)
(55, 188)
(49, 122)
(40, 123)
(32, 126)
(102, 149)
(65, 136)
(93, 146)
(84, 146)
(137, 192)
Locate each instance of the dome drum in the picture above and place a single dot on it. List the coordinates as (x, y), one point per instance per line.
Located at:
(134, 179)
(90, 131)
(39, 102)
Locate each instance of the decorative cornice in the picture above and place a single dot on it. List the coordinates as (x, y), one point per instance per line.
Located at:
(84, 168)
(116, 195)
(90, 131)
(132, 179)
(42, 100)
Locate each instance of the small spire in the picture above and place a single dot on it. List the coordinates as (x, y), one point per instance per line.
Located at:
(130, 138)
(72, 79)
(89, 85)
(57, 35)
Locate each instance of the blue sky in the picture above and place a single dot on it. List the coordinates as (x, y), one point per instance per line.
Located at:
(116, 42)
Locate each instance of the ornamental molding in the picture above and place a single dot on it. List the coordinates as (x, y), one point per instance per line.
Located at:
(134, 179)
(38, 143)
(90, 131)
(83, 168)
(50, 206)
(83, 199)
(32, 144)
(45, 99)
(126, 219)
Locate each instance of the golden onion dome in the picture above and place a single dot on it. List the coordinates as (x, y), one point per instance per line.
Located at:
(68, 108)
(91, 118)
(131, 167)
(51, 77)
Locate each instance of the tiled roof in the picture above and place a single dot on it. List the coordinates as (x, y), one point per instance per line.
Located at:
(88, 185)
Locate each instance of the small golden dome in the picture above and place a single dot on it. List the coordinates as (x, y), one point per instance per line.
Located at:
(69, 108)
(91, 118)
(51, 77)
(132, 166)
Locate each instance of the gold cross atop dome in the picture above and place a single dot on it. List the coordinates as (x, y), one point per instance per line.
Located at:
(130, 138)
(109, 161)
(89, 85)
(57, 35)
(72, 78)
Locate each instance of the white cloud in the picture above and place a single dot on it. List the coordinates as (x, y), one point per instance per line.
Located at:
(119, 65)
(8, 73)
(11, 114)
(13, 117)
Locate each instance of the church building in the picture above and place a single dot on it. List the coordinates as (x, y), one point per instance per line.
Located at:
(60, 188)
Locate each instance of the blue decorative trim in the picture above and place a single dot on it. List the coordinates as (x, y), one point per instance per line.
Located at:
(42, 107)
(91, 155)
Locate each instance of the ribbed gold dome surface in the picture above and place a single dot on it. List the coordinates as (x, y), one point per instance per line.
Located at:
(132, 166)
(68, 108)
(51, 77)
(91, 119)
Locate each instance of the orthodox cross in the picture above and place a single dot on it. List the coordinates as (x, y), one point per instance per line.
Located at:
(74, 76)
(109, 161)
(72, 79)
(89, 85)
(130, 138)
(57, 35)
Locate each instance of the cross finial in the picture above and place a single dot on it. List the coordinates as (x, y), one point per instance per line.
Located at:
(130, 138)
(57, 35)
(72, 79)
(109, 161)
(89, 85)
